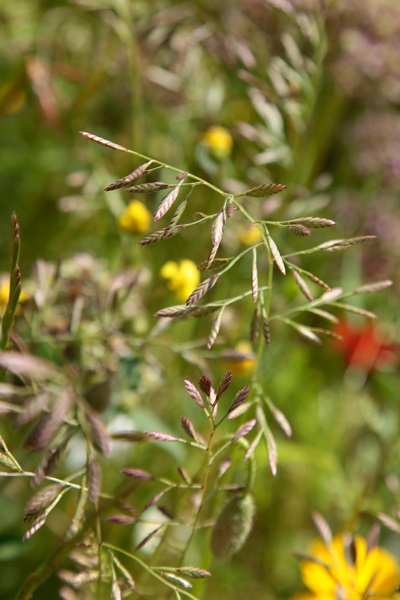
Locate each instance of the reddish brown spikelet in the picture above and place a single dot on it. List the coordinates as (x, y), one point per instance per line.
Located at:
(194, 393)
(239, 398)
(265, 189)
(121, 519)
(202, 290)
(41, 500)
(147, 188)
(158, 236)
(225, 383)
(103, 142)
(94, 480)
(160, 436)
(137, 473)
(120, 183)
(187, 426)
(299, 230)
(98, 431)
(205, 385)
(156, 498)
(48, 426)
(166, 203)
(265, 328)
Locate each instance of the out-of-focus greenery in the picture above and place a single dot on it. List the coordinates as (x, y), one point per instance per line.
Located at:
(309, 93)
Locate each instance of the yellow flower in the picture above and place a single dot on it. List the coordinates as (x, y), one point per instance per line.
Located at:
(182, 278)
(219, 141)
(241, 360)
(5, 292)
(250, 236)
(136, 218)
(348, 570)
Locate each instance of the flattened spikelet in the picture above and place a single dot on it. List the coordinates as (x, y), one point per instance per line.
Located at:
(120, 183)
(265, 189)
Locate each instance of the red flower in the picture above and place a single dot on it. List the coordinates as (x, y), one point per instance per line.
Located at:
(365, 347)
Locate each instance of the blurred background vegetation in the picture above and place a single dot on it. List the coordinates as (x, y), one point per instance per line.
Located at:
(309, 92)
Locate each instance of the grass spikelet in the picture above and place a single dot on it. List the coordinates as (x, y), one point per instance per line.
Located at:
(120, 183)
(194, 393)
(40, 501)
(303, 287)
(94, 480)
(147, 188)
(103, 142)
(162, 234)
(299, 230)
(255, 325)
(166, 203)
(265, 189)
(214, 330)
(276, 255)
(202, 290)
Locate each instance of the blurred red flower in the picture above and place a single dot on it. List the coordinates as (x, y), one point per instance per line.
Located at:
(365, 347)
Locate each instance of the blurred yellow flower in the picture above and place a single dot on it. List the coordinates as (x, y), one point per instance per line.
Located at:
(250, 236)
(5, 292)
(219, 141)
(182, 278)
(348, 570)
(241, 360)
(135, 218)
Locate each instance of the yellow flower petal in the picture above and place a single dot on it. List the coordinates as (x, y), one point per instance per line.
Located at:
(136, 218)
(182, 278)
